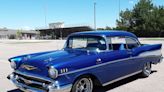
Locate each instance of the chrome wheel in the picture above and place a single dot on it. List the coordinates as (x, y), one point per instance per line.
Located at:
(83, 85)
(146, 70)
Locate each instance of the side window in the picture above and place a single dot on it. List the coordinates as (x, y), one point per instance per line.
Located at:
(118, 43)
(131, 43)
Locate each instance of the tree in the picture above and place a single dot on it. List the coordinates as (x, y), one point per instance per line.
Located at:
(108, 28)
(18, 34)
(145, 19)
(125, 21)
(159, 20)
(100, 29)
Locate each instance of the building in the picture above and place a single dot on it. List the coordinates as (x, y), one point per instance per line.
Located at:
(55, 30)
(61, 32)
(7, 33)
(56, 25)
(58, 30)
(30, 34)
(18, 34)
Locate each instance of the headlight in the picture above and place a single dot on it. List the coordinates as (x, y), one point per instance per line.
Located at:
(13, 64)
(53, 73)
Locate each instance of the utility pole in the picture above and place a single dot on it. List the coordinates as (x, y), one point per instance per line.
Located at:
(95, 15)
(45, 13)
(119, 10)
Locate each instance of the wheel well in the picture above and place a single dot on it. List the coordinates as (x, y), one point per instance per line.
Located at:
(95, 80)
(150, 63)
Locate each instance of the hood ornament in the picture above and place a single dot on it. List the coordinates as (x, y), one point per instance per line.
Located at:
(28, 67)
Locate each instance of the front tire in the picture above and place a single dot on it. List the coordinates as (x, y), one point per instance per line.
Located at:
(83, 84)
(146, 70)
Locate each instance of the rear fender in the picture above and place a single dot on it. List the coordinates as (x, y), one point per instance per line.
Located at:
(151, 53)
(148, 50)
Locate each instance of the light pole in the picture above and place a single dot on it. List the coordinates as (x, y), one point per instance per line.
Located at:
(95, 15)
(119, 6)
(45, 13)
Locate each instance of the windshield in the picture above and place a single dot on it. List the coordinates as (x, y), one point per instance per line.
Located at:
(86, 43)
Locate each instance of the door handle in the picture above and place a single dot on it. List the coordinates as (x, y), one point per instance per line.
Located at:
(98, 61)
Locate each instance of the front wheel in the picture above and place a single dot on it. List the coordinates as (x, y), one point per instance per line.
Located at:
(84, 84)
(146, 70)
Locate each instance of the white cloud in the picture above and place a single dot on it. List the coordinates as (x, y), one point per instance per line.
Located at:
(131, 2)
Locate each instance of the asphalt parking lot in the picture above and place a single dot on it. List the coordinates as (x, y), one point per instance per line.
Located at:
(8, 49)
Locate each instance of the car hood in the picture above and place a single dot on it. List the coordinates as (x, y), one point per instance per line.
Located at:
(40, 63)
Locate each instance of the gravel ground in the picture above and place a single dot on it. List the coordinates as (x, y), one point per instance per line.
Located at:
(8, 49)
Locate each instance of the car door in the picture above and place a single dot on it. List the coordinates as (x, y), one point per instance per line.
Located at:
(116, 60)
(132, 46)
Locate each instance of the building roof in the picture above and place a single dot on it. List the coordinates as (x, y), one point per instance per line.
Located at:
(76, 27)
(107, 33)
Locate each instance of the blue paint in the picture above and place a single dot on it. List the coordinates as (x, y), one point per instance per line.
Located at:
(114, 63)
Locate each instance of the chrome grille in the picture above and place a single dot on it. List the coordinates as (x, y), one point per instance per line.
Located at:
(32, 78)
(32, 82)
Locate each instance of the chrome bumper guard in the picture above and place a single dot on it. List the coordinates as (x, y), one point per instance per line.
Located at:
(36, 86)
(161, 59)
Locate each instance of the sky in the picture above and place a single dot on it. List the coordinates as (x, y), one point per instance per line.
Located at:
(30, 14)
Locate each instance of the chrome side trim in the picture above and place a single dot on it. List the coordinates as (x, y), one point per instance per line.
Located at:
(126, 76)
(110, 62)
(87, 68)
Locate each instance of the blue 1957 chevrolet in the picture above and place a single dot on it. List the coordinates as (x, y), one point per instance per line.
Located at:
(88, 59)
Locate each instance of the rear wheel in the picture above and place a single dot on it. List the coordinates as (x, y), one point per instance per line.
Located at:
(146, 70)
(84, 84)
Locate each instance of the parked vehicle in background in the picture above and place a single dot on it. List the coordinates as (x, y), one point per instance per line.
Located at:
(88, 59)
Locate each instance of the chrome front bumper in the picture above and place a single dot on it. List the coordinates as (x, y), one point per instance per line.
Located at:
(52, 87)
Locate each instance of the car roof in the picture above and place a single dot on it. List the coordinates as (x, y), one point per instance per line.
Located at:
(106, 33)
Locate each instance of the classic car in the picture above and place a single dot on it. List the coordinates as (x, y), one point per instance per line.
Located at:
(88, 59)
